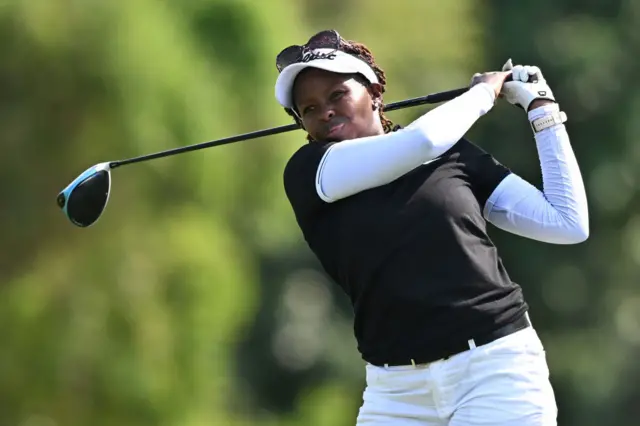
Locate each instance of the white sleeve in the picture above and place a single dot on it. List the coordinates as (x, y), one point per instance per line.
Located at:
(356, 165)
(558, 214)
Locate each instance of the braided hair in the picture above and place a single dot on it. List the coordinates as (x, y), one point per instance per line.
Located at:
(362, 52)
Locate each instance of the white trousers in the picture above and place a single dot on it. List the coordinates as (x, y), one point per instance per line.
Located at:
(503, 383)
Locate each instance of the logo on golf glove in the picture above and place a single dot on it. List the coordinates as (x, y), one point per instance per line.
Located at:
(528, 85)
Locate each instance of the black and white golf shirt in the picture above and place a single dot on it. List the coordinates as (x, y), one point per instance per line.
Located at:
(399, 222)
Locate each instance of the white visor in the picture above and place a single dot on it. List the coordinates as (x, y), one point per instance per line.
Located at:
(325, 59)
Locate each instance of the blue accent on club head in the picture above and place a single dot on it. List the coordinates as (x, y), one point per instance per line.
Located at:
(64, 195)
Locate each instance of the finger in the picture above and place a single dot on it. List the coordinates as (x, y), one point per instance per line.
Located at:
(523, 75)
(528, 74)
(532, 69)
(516, 72)
(535, 73)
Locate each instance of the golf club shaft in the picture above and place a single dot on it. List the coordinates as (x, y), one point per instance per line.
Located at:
(428, 99)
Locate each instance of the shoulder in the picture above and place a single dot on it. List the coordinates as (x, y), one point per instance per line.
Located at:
(299, 176)
(482, 169)
(471, 155)
(301, 157)
(465, 150)
(307, 155)
(304, 163)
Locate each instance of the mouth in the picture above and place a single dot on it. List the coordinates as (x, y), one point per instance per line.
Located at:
(333, 130)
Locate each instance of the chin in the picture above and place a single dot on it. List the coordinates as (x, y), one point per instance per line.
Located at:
(343, 135)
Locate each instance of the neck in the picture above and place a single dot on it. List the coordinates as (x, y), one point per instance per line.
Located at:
(377, 129)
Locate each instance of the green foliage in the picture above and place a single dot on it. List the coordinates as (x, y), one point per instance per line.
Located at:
(194, 300)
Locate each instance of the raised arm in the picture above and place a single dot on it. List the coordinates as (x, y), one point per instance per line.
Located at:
(356, 165)
(559, 213)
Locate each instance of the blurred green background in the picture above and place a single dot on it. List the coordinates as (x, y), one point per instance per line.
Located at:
(194, 300)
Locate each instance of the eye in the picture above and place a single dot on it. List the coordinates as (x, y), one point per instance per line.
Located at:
(337, 95)
(306, 110)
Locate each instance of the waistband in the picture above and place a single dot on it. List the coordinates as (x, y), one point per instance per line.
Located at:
(460, 346)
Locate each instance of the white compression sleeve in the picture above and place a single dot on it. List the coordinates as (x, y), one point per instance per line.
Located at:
(559, 214)
(356, 165)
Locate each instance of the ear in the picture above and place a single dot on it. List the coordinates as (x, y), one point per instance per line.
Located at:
(375, 90)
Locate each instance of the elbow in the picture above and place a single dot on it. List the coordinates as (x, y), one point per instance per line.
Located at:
(578, 233)
(582, 233)
(569, 230)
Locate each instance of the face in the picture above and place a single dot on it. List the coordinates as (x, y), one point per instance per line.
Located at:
(336, 107)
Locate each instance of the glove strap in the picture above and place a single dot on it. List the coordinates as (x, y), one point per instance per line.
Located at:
(553, 119)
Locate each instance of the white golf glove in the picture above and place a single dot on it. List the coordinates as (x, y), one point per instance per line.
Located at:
(528, 85)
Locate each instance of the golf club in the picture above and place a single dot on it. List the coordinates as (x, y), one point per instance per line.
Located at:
(84, 199)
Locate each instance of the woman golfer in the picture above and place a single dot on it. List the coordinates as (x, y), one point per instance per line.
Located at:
(397, 216)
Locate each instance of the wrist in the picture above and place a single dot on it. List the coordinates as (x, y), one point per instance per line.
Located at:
(545, 117)
(537, 103)
(486, 89)
(543, 110)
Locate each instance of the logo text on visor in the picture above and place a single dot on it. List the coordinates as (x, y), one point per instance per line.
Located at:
(312, 56)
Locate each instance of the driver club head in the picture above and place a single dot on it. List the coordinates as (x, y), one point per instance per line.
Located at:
(84, 199)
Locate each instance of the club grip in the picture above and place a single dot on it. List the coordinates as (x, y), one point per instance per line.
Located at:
(530, 79)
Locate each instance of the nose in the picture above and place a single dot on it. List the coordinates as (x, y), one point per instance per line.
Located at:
(327, 114)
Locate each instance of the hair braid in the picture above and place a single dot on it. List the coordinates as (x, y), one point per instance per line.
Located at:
(362, 52)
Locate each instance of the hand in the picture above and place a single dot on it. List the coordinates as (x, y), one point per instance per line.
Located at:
(528, 88)
(494, 79)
